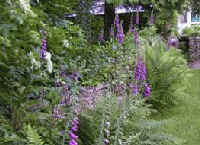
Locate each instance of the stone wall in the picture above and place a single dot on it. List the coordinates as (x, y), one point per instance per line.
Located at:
(194, 48)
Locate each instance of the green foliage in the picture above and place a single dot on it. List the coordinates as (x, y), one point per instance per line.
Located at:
(162, 10)
(166, 73)
(23, 75)
(129, 123)
(194, 30)
(27, 90)
(33, 137)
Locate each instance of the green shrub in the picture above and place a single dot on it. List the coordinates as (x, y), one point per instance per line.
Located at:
(194, 30)
(166, 72)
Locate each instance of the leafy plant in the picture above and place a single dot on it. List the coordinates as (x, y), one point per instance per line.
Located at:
(194, 30)
(166, 71)
(33, 137)
(129, 123)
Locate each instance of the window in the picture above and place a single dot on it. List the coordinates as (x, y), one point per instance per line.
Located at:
(195, 18)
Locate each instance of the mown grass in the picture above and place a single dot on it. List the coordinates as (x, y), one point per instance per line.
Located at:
(184, 118)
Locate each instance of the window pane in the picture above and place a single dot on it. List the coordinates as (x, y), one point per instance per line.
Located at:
(195, 17)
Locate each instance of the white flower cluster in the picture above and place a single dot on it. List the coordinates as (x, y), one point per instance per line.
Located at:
(34, 63)
(25, 5)
(49, 62)
(66, 43)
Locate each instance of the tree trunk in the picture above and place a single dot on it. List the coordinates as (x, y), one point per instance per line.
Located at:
(109, 16)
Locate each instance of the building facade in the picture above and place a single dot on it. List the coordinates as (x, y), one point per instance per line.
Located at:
(187, 20)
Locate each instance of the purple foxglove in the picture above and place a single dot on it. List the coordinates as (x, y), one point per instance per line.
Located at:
(147, 91)
(143, 71)
(73, 137)
(73, 142)
(138, 71)
(116, 21)
(63, 74)
(43, 49)
(111, 32)
(131, 28)
(120, 34)
(136, 37)
(172, 42)
(135, 89)
(74, 128)
(106, 141)
(107, 132)
(75, 120)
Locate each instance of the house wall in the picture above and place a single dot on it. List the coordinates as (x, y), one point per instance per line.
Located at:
(184, 21)
(181, 24)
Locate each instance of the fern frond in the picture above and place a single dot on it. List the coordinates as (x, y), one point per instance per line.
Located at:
(33, 137)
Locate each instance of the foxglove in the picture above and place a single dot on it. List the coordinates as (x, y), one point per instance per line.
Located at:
(136, 37)
(131, 28)
(107, 133)
(119, 28)
(120, 34)
(72, 135)
(135, 89)
(147, 91)
(111, 32)
(116, 22)
(172, 42)
(44, 46)
(138, 71)
(143, 71)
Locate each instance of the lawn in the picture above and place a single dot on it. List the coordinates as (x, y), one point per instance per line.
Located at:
(184, 119)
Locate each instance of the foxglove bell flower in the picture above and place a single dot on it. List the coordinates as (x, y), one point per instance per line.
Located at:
(135, 89)
(172, 42)
(111, 32)
(116, 22)
(43, 49)
(106, 141)
(72, 135)
(147, 91)
(143, 71)
(120, 34)
(140, 72)
(136, 37)
(119, 27)
(131, 28)
(107, 133)
(57, 113)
